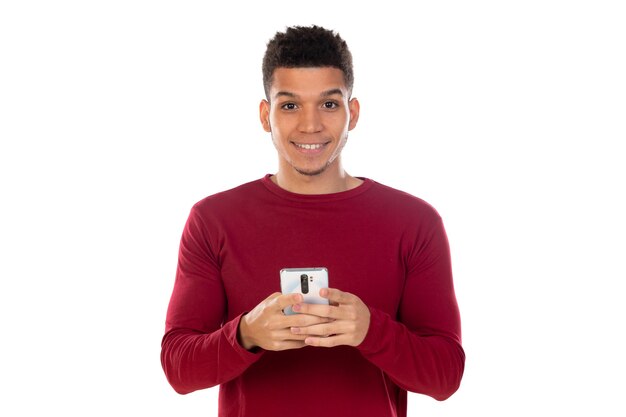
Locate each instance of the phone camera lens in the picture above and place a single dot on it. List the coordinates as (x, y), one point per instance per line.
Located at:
(304, 283)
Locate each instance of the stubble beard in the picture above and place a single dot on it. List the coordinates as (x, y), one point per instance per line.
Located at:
(311, 173)
(321, 170)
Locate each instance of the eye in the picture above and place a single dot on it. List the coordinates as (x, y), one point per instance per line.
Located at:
(288, 106)
(330, 105)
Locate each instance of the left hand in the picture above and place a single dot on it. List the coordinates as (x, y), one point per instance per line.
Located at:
(350, 320)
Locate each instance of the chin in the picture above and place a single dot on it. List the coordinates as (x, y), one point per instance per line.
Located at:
(310, 172)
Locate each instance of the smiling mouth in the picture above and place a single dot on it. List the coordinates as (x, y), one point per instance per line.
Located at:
(309, 146)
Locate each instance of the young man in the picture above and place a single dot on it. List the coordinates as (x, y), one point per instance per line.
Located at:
(392, 324)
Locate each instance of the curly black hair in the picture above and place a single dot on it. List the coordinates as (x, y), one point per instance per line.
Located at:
(307, 46)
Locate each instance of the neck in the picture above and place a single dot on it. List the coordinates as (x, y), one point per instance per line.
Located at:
(332, 180)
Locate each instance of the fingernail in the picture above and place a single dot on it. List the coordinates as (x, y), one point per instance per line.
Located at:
(296, 307)
(324, 292)
(295, 330)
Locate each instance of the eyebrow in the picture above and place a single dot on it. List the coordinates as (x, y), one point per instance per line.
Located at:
(327, 93)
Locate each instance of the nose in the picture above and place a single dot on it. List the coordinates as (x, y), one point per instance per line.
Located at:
(310, 121)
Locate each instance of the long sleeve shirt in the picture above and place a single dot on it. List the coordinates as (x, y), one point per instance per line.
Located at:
(385, 246)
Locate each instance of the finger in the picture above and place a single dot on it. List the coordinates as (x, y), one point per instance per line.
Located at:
(325, 329)
(286, 335)
(286, 345)
(336, 296)
(321, 310)
(305, 320)
(286, 300)
(327, 341)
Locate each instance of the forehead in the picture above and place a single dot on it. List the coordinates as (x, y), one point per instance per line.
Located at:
(307, 81)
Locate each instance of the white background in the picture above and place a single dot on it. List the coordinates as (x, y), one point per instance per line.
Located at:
(117, 116)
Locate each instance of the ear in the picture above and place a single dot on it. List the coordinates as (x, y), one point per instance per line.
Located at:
(264, 115)
(355, 108)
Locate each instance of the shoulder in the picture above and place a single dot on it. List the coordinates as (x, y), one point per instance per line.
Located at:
(401, 202)
(230, 199)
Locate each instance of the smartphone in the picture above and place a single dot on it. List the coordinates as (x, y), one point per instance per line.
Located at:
(306, 281)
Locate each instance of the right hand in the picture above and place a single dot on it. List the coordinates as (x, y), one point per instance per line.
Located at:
(267, 327)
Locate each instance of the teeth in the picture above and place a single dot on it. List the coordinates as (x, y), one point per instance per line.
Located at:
(307, 146)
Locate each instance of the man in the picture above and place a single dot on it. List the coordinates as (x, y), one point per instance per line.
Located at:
(392, 324)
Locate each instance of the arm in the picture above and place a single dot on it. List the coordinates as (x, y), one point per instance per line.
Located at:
(199, 350)
(421, 350)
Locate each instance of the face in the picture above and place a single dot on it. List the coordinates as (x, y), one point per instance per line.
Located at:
(309, 115)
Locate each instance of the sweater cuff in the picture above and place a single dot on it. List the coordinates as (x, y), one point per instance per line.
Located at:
(375, 334)
(231, 330)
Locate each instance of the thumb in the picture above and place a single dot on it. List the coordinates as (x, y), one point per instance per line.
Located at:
(286, 300)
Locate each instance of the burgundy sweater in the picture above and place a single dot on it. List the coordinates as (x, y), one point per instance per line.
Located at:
(385, 246)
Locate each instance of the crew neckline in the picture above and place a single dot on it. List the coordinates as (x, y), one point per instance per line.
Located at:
(341, 195)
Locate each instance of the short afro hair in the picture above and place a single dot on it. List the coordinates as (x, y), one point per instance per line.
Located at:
(306, 47)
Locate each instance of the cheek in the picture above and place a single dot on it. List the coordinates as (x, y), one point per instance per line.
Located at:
(277, 134)
(279, 125)
(339, 121)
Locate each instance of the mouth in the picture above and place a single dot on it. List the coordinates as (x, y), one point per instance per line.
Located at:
(310, 147)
